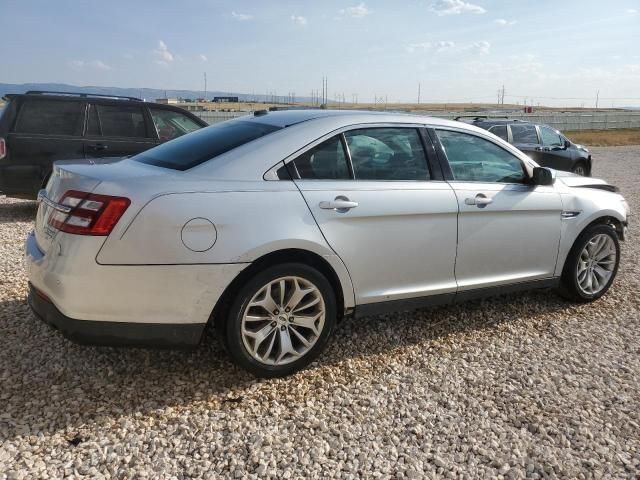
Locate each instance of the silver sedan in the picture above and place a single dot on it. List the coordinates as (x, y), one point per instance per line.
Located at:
(273, 227)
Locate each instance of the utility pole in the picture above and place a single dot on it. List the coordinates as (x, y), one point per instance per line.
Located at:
(597, 98)
(205, 86)
(418, 93)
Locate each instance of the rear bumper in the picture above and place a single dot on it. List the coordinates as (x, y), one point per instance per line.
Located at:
(115, 333)
(146, 305)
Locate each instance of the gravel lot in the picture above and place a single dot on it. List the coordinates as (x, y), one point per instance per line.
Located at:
(520, 386)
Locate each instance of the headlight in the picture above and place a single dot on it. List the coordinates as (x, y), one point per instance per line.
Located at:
(627, 209)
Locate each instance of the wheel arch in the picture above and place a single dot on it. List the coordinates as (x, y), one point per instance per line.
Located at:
(343, 292)
(606, 218)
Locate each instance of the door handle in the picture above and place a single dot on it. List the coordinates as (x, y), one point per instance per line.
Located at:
(538, 149)
(339, 204)
(479, 201)
(98, 147)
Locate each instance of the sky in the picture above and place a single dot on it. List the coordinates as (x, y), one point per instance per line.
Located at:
(552, 52)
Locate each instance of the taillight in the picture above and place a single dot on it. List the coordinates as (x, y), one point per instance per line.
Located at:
(3, 148)
(90, 214)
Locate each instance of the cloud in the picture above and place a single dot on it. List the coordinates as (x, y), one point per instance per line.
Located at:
(444, 45)
(92, 64)
(242, 17)
(203, 57)
(439, 46)
(479, 48)
(164, 56)
(299, 19)
(99, 65)
(504, 23)
(357, 11)
(455, 7)
(632, 11)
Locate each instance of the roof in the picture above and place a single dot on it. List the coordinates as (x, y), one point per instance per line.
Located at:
(286, 118)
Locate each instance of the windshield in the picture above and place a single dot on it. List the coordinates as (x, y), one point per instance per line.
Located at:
(200, 146)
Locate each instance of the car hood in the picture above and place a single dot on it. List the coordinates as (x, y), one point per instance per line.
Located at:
(573, 180)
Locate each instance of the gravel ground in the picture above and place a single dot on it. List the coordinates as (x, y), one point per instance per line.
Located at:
(518, 386)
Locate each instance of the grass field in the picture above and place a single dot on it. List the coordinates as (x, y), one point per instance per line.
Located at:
(605, 138)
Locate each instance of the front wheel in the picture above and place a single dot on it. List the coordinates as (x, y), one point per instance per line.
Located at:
(591, 265)
(281, 320)
(580, 169)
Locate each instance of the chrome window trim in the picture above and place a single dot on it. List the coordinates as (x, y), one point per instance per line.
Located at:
(271, 176)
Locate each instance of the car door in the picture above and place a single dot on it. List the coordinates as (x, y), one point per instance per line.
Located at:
(383, 210)
(508, 229)
(117, 129)
(554, 153)
(45, 130)
(524, 136)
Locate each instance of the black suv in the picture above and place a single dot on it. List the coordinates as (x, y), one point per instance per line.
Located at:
(545, 145)
(38, 128)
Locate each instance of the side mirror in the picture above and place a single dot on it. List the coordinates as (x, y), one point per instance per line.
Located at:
(543, 176)
(567, 143)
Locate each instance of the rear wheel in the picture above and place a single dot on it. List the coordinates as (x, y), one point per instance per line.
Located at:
(580, 168)
(592, 264)
(281, 320)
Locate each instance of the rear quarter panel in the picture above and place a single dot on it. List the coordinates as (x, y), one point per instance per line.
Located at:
(248, 225)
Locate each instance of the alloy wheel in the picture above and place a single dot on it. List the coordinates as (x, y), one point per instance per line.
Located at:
(283, 320)
(596, 264)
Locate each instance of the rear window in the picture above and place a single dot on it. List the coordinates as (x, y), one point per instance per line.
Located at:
(197, 147)
(50, 117)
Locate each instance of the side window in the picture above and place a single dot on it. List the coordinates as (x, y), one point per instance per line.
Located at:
(121, 121)
(550, 137)
(170, 124)
(93, 124)
(326, 161)
(474, 159)
(500, 131)
(50, 117)
(387, 154)
(524, 133)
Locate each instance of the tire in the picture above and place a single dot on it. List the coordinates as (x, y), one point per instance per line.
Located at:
(269, 344)
(580, 168)
(571, 286)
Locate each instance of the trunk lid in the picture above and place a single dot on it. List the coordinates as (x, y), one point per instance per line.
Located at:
(82, 176)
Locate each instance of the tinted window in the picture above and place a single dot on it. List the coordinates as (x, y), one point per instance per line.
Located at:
(474, 159)
(550, 137)
(204, 144)
(387, 154)
(170, 124)
(524, 133)
(326, 161)
(121, 121)
(500, 131)
(50, 117)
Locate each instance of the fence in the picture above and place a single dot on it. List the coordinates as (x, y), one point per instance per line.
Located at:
(565, 120)
(560, 120)
(217, 117)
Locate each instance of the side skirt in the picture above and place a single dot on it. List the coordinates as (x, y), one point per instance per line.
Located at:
(380, 308)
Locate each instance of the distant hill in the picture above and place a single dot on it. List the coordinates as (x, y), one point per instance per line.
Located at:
(149, 94)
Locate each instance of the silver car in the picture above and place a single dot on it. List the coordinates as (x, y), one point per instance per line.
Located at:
(273, 227)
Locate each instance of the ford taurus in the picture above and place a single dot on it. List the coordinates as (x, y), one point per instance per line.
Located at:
(273, 227)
